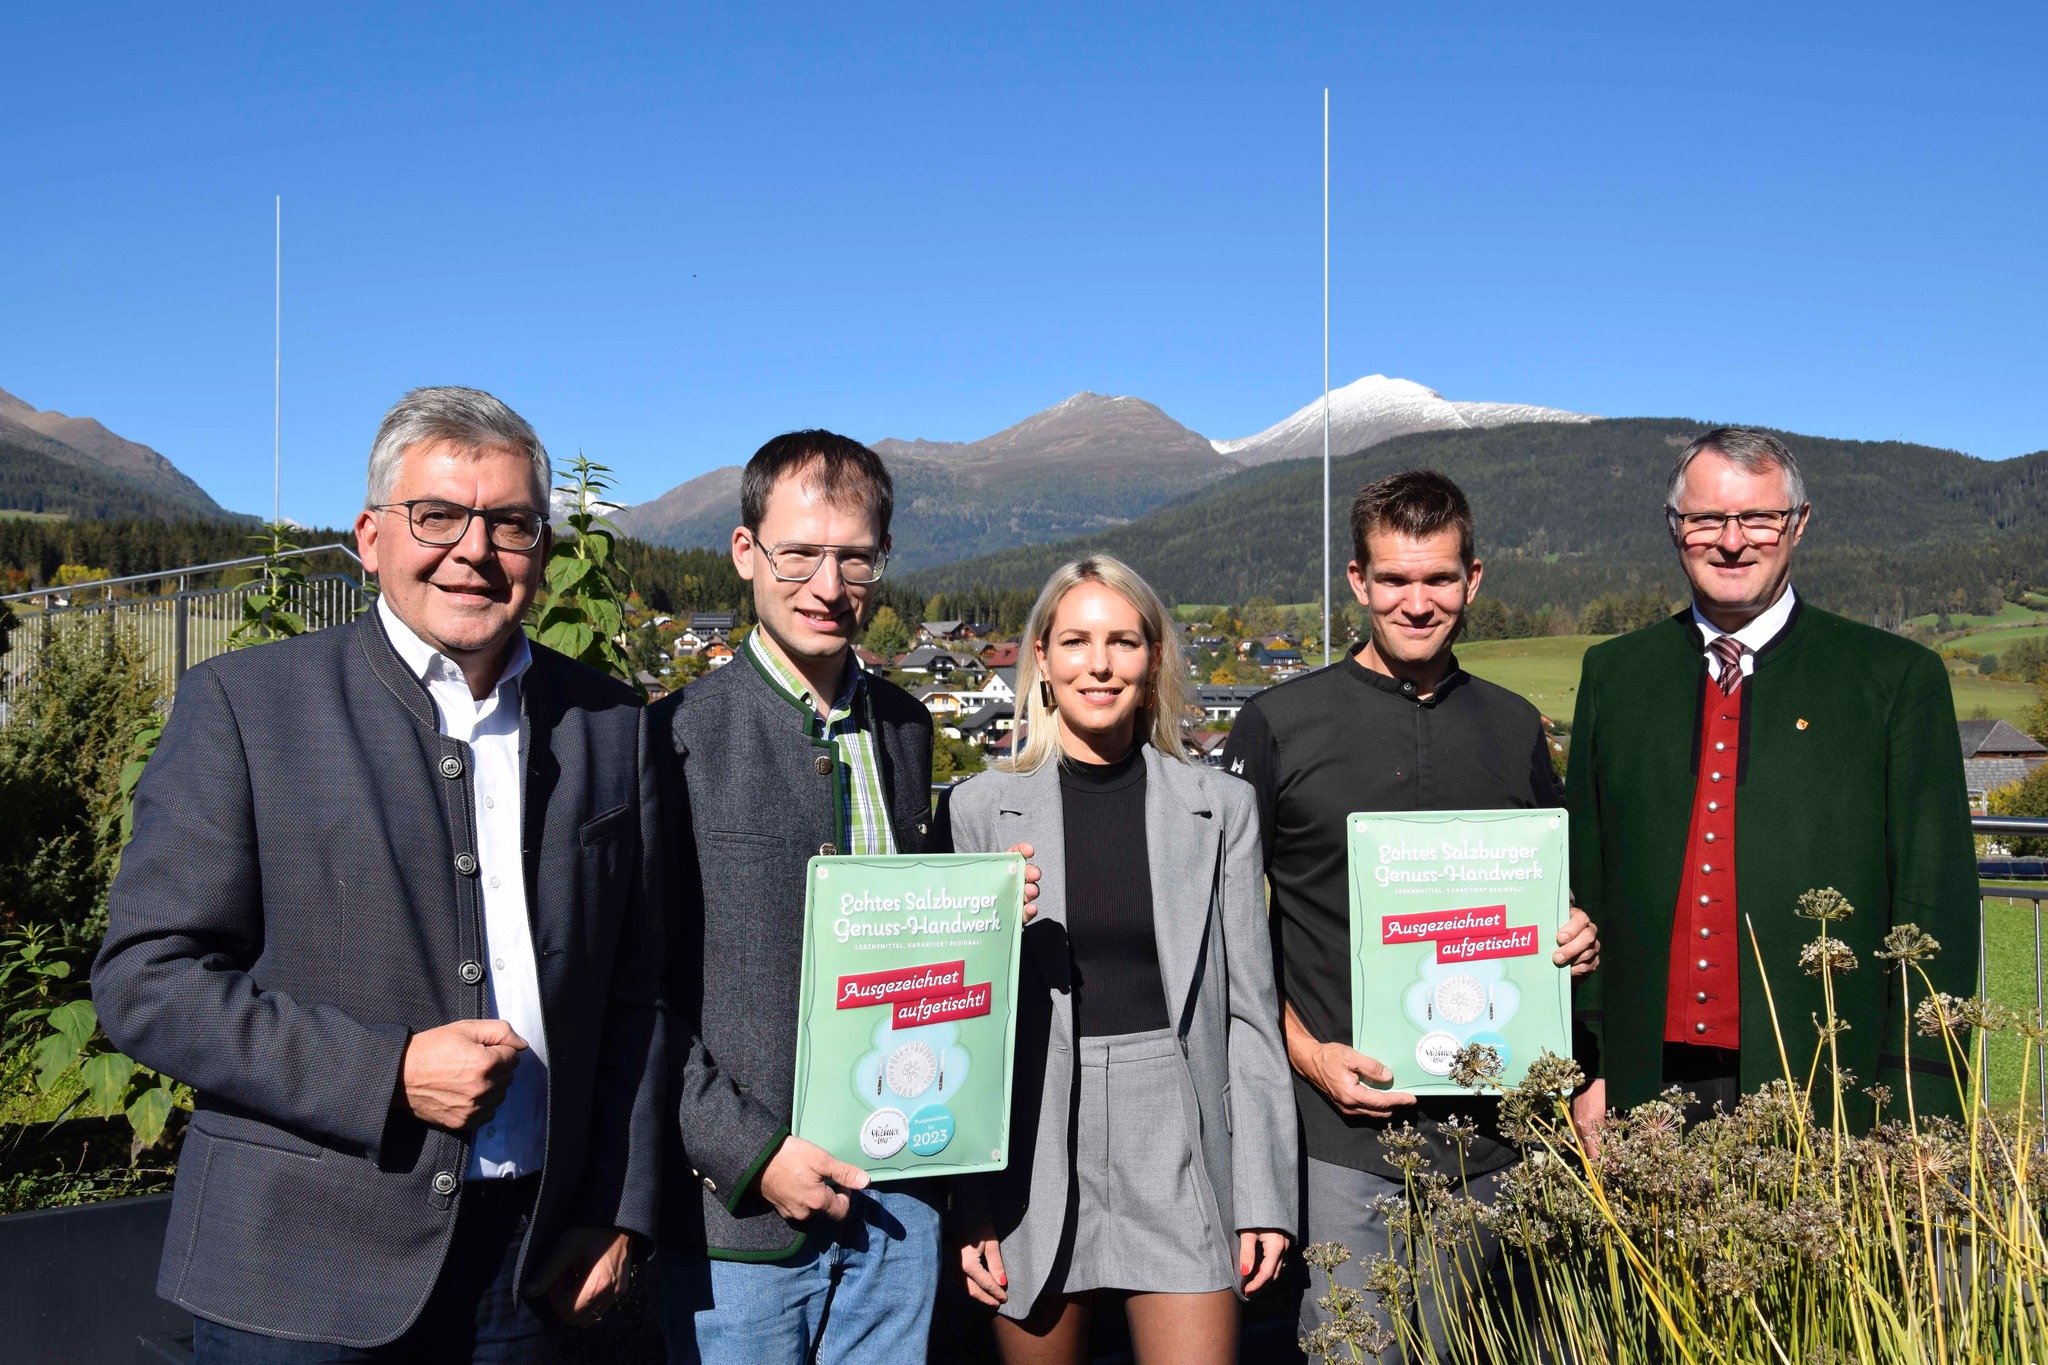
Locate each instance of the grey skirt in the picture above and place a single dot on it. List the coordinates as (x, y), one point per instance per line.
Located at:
(1144, 1216)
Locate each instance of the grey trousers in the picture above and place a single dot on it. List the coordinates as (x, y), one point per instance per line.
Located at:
(1343, 1205)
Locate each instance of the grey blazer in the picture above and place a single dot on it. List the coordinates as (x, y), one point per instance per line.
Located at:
(300, 898)
(1216, 956)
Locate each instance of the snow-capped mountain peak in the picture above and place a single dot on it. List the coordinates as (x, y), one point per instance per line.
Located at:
(1374, 409)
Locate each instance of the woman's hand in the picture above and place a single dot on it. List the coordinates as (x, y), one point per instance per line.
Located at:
(1259, 1250)
(1030, 878)
(981, 1266)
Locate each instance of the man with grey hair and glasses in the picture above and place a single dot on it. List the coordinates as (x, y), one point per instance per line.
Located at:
(389, 911)
(1723, 762)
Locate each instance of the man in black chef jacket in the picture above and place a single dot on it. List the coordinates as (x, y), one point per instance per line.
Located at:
(1396, 726)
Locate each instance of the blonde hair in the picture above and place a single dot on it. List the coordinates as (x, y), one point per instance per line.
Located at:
(1161, 723)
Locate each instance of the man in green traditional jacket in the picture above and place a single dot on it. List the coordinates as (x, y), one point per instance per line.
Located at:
(1747, 750)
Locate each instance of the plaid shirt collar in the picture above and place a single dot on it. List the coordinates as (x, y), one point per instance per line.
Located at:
(794, 690)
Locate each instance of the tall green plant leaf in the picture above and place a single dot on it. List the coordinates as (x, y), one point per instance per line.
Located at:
(76, 1020)
(107, 1075)
(149, 1112)
(54, 1056)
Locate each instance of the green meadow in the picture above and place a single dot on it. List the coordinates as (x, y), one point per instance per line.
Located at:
(1546, 671)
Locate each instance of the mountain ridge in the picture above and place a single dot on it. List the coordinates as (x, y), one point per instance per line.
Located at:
(1565, 511)
(1087, 463)
(101, 468)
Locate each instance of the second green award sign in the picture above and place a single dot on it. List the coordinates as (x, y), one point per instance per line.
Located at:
(1454, 915)
(907, 1014)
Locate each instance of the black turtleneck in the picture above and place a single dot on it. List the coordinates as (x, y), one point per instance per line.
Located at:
(1117, 987)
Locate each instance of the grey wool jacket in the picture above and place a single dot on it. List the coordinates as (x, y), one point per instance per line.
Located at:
(300, 898)
(754, 799)
(1216, 961)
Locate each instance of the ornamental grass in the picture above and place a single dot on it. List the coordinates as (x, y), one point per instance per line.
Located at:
(1764, 1235)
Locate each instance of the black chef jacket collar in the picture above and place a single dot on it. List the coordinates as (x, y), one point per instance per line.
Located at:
(1396, 687)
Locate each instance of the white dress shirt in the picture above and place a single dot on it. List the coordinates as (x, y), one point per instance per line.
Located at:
(1751, 637)
(514, 1140)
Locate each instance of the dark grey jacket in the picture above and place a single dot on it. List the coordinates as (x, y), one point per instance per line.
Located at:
(292, 909)
(752, 806)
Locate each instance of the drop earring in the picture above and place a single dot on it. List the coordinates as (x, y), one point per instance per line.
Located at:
(1045, 695)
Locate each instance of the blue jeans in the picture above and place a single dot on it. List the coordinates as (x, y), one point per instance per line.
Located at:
(473, 1313)
(867, 1285)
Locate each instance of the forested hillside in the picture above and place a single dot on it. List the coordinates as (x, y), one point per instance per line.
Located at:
(32, 480)
(1568, 513)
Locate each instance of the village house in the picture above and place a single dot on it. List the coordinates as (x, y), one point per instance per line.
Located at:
(987, 726)
(939, 632)
(1996, 755)
(1221, 702)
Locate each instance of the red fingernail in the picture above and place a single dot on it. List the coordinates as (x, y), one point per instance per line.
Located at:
(1244, 1268)
(1003, 1280)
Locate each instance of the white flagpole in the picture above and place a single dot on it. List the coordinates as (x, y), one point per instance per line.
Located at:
(277, 380)
(1326, 376)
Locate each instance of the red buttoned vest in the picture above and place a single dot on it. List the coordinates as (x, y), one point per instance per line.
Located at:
(1701, 1005)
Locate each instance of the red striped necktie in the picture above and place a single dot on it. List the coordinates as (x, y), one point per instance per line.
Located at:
(1729, 651)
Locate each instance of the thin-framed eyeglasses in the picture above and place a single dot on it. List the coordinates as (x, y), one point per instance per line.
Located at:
(1759, 527)
(795, 562)
(438, 522)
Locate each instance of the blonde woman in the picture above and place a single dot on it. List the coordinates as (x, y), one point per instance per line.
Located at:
(1152, 1133)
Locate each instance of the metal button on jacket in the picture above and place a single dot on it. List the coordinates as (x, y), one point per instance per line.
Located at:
(1699, 1028)
(465, 864)
(444, 1182)
(471, 972)
(451, 766)
(1701, 997)
(827, 850)
(824, 765)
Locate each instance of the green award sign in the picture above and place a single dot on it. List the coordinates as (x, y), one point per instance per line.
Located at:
(1454, 915)
(907, 1019)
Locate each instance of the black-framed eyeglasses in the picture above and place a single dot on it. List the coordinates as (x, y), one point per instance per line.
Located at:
(438, 522)
(1759, 526)
(795, 562)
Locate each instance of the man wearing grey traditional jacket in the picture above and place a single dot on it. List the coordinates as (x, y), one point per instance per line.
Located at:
(386, 912)
(788, 751)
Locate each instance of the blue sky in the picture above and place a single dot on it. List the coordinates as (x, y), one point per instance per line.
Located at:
(667, 233)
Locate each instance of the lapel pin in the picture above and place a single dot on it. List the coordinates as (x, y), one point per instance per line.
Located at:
(1801, 722)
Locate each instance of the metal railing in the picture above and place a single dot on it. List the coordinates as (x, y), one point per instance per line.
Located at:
(58, 596)
(177, 628)
(2010, 891)
(2033, 892)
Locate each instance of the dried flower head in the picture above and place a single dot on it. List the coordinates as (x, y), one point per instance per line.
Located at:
(1459, 1130)
(1827, 954)
(1404, 1148)
(1940, 1013)
(1475, 1065)
(1326, 1256)
(1824, 904)
(1908, 943)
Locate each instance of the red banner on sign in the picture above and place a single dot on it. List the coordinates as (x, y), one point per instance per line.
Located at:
(940, 1009)
(901, 983)
(1477, 947)
(1424, 925)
